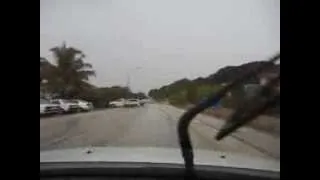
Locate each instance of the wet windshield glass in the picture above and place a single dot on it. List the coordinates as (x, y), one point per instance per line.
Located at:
(138, 65)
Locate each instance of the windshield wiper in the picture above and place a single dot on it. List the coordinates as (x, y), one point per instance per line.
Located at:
(251, 108)
(238, 118)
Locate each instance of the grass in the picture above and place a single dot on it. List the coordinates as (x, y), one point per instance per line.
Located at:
(264, 123)
(268, 124)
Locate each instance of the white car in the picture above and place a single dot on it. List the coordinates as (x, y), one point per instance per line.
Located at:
(84, 105)
(153, 162)
(117, 103)
(144, 101)
(66, 105)
(132, 103)
(47, 108)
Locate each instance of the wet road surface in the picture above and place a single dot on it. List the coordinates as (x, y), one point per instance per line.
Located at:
(153, 125)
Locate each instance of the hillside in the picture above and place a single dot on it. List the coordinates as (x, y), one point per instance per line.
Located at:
(211, 82)
(230, 73)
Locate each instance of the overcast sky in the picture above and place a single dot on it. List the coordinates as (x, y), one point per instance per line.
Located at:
(167, 39)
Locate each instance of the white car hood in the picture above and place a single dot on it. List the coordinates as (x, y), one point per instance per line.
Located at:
(157, 155)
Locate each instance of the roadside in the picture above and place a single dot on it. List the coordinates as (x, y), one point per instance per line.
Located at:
(208, 125)
(267, 124)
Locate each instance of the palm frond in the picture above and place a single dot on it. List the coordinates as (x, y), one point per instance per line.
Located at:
(85, 74)
(71, 73)
(87, 65)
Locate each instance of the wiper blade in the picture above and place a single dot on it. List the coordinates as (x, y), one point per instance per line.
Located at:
(251, 109)
(186, 118)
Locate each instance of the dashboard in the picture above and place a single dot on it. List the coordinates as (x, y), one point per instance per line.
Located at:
(145, 171)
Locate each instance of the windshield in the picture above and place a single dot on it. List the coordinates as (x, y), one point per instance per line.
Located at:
(167, 56)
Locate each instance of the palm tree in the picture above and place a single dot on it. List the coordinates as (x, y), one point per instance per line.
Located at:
(71, 74)
(46, 69)
(41, 67)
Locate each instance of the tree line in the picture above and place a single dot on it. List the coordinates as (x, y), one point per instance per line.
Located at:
(68, 77)
(185, 91)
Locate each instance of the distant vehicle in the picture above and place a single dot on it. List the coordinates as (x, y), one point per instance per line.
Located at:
(47, 108)
(83, 105)
(132, 103)
(144, 101)
(66, 105)
(141, 102)
(117, 103)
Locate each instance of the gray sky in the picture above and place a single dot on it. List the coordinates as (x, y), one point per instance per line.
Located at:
(168, 39)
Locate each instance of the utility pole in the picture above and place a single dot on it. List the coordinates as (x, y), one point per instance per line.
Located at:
(128, 75)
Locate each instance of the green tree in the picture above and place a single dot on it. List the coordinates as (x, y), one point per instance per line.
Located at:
(203, 91)
(139, 95)
(191, 95)
(70, 75)
(157, 94)
(178, 98)
(44, 64)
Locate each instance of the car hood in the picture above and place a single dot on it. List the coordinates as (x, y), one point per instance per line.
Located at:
(158, 155)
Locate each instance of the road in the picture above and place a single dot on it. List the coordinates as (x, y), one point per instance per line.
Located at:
(153, 125)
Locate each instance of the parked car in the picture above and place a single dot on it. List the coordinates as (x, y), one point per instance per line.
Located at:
(47, 108)
(144, 101)
(66, 105)
(117, 103)
(83, 105)
(132, 103)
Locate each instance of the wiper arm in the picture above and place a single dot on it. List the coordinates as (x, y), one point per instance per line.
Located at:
(187, 117)
(251, 109)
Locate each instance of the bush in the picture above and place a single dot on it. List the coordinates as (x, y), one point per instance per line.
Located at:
(204, 91)
(178, 98)
(191, 94)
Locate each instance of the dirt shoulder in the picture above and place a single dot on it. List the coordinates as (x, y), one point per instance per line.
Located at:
(268, 124)
(244, 139)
